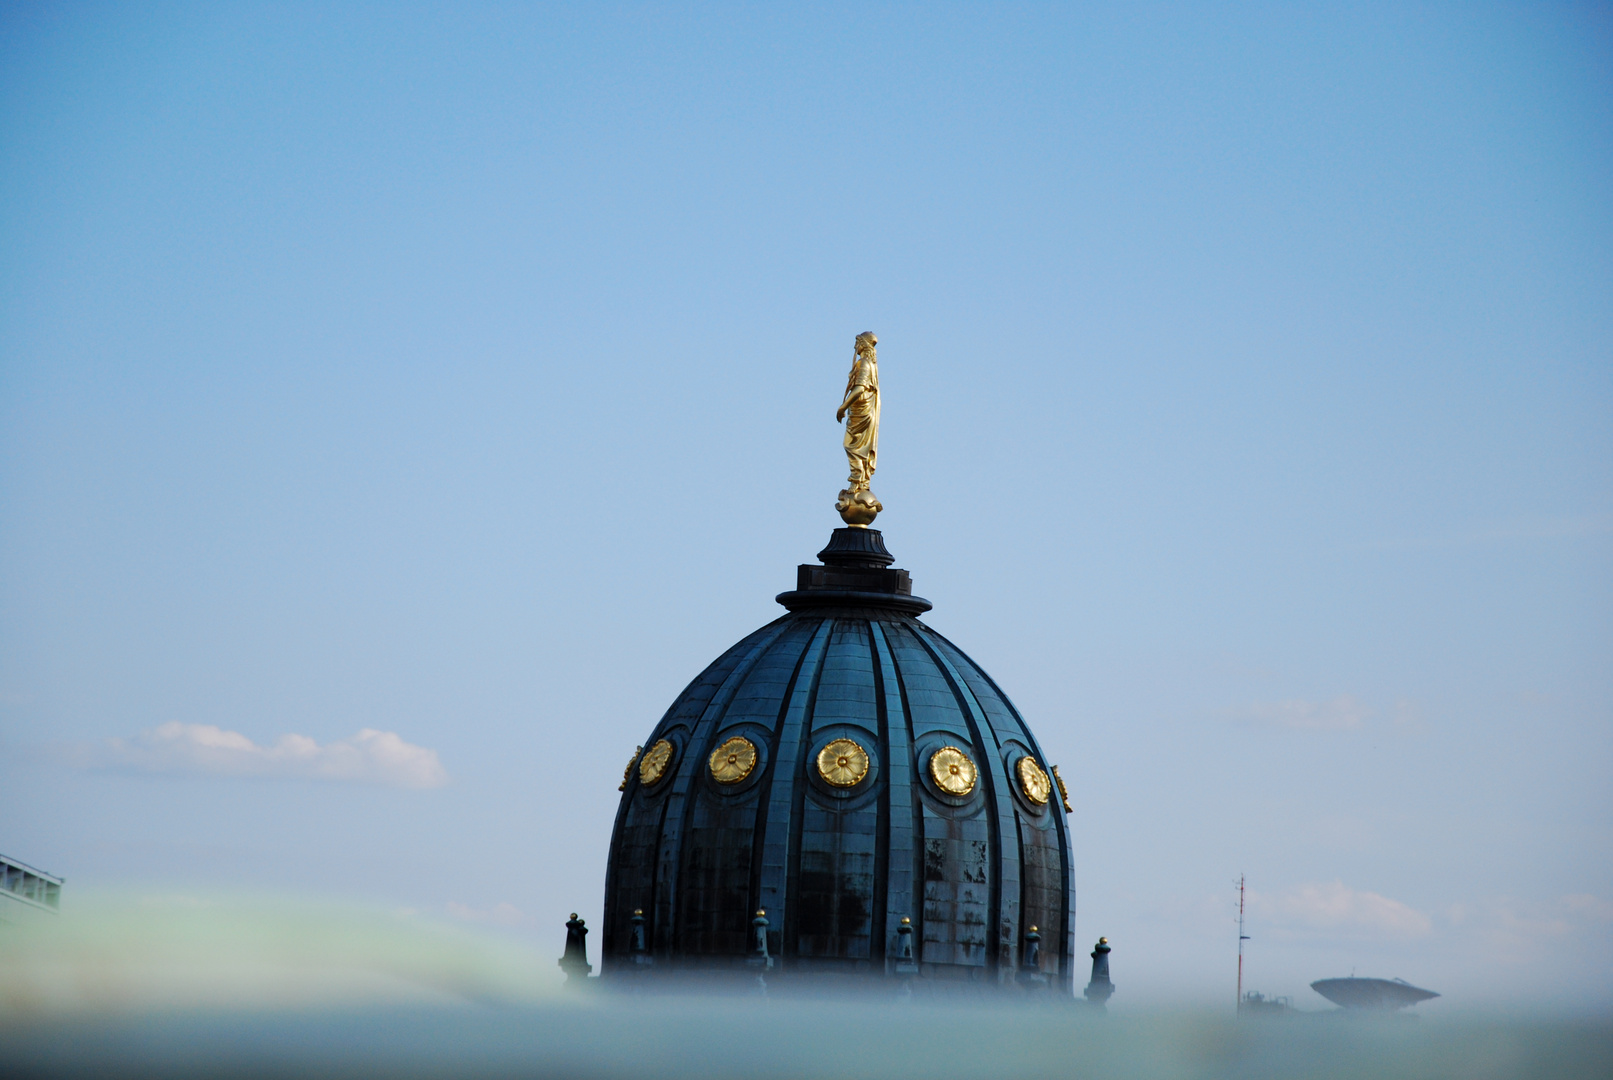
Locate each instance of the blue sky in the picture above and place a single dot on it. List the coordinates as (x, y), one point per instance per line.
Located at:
(467, 377)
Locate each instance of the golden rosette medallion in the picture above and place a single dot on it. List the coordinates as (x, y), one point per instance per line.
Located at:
(1033, 781)
(842, 763)
(627, 773)
(733, 760)
(1064, 792)
(653, 765)
(953, 771)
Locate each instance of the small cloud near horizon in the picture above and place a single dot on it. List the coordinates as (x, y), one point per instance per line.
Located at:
(500, 914)
(369, 757)
(1340, 714)
(1513, 927)
(1334, 907)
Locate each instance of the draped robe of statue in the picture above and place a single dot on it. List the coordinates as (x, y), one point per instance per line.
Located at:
(861, 407)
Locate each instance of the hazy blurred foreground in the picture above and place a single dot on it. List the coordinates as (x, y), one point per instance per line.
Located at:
(115, 952)
(180, 986)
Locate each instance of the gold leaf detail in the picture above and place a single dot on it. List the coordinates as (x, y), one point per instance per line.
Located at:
(627, 773)
(953, 771)
(653, 765)
(843, 763)
(1064, 792)
(1033, 781)
(733, 760)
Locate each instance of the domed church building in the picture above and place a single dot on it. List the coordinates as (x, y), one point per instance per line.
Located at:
(844, 796)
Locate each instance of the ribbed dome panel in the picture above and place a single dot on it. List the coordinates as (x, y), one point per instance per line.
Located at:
(837, 869)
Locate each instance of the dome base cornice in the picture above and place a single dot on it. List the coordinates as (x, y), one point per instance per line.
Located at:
(801, 599)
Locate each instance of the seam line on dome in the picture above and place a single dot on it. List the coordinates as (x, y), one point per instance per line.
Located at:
(1060, 824)
(756, 898)
(792, 875)
(699, 748)
(900, 858)
(977, 720)
(774, 891)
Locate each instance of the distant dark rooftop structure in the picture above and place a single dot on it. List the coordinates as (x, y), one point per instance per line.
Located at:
(1386, 994)
(25, 891)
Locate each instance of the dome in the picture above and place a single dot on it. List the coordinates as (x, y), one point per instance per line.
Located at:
(847, 783)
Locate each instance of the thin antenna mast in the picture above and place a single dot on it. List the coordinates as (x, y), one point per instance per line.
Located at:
(1242, 937)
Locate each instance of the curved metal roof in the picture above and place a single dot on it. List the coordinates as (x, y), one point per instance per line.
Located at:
(836, 869)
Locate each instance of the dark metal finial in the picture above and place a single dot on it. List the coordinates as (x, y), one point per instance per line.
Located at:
(637, 944)
(906, 964)
(1031, 975)
(575, 961)
(759, 957)
(1100, 989)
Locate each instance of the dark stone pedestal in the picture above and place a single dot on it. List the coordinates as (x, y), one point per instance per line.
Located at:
(855, 572)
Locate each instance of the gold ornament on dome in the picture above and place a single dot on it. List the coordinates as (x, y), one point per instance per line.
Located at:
(842, 763)
(653, 765)
(1033, 781)
(859, 408)
(733, 760)
(952, 771)
(1064, 792)
(627, 773)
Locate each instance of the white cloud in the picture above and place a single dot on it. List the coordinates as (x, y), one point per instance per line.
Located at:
(1334, 908)
(1340, 714)
(1513, 928)
(371, 756)
(500, 914)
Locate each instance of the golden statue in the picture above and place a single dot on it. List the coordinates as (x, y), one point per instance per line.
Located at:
(860, 410)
